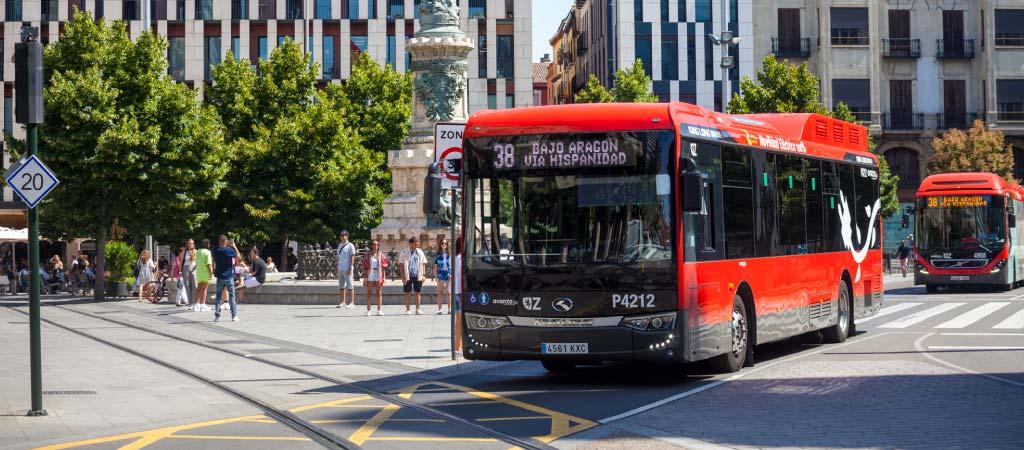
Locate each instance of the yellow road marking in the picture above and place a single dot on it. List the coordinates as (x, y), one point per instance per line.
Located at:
(364, 432)
(238, 438)
(330, 403)
(262, 421)
(318, 422)
(501, 419)
(432, 439)
(141, 436)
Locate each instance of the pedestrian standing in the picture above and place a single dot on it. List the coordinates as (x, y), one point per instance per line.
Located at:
(457, 291)
(144, 272)
(188, 272)
(290, 261)
(413, 262)
(443, 261)
(224, 269)
(204, 274)
(346, 259)
(374, 266)
(903, 254)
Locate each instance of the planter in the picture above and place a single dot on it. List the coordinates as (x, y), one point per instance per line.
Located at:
(120, 290)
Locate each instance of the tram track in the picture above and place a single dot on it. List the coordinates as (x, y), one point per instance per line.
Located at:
(317, 434)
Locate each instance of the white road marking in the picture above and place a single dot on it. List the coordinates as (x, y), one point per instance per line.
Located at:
(1018, 297)
(1015, 321)
(888, 310)
(918, 347)
(974, 347)
(982, 334)
(974, 315)
(734, 377)
(921, 316)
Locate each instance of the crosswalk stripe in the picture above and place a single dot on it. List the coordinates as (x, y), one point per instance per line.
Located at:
(921, 316)
(974, 315)
(1015, 321)
(888, 310)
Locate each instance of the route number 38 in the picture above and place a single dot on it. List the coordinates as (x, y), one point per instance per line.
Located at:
(504, 157)
(632, 300)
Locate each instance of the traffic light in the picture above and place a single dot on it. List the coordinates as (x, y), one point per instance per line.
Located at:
(906, 221)
(28, 78)
(432, 192)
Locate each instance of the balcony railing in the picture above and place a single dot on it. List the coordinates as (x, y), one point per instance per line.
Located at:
(506, 68)
(1009, 39)
(955, 49)
(901, 48)
(898, 120)
(843, 36)
(791, 48)
(959, 121)
(1011, 116)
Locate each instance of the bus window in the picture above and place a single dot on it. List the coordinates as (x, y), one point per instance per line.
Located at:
(708, 227)
(815, 213)
(738, 201)
(867, 195)
(831, 240)
(789, 182)
(765, 236)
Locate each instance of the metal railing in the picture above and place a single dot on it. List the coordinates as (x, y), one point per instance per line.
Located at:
(955, 49)
(901, 48)
(798, 48)
(1011, 116)
(320, 262)
(849, 36)
(902, 120)
(960, 121)
(1009, 39)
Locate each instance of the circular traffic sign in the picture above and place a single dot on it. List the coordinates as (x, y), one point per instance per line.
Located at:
(447, 169)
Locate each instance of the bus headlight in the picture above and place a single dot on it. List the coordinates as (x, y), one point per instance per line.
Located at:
(920, 268)
(652, 322)
(484, 322)
(999, 266)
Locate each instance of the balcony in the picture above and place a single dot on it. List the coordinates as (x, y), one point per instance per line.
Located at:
(902, 120)
(506, 68)
(901, 48)
(955, 49)
(1011, 116)
(959, 121)
(850, 37)
(791, 48)
(1009, 39)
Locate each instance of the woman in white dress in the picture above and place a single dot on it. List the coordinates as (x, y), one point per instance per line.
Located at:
(146, 272)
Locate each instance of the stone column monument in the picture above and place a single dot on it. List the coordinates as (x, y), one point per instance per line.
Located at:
(439, 52)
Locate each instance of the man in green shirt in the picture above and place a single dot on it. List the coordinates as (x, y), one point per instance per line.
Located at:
(204, 274)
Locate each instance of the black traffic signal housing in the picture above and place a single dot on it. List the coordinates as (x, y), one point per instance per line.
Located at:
(432, 190)
(28, 78)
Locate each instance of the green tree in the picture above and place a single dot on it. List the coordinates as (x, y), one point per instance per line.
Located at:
(632, 85)
(593, 92)
(780, 87)
(131, 146)
(976, 150)
(299, 168)
(377, 102)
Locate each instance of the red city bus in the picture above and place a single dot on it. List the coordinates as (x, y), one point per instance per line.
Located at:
(663, 233)
(967, 231)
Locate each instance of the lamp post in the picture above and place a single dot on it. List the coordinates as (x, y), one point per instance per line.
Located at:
(727, 39)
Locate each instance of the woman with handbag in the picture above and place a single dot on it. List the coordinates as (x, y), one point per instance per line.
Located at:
(374, 265)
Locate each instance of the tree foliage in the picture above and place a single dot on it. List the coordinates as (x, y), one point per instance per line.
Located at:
(975, 150)
(377, 102)
(594, 92)
(130, 145)
(632, 85)
(780, 87)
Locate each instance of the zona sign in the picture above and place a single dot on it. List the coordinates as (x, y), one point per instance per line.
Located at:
(448, 152)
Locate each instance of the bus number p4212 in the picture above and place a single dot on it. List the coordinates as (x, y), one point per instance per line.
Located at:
(632, 301)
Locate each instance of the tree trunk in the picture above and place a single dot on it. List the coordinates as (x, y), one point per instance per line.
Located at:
(99, 293)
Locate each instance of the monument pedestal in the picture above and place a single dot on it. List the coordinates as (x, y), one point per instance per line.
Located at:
(403, 210)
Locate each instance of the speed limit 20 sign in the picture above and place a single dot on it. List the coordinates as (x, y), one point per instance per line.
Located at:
(448, 152)
(31, 180)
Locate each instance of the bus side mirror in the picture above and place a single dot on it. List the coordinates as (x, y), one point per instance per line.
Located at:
(693, 188)
(1012, 218)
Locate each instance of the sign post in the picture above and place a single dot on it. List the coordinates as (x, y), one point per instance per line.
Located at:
(448, 152)
(28, 65)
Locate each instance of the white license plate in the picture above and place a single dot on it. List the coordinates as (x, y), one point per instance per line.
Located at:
(959, 278)
(565, 349)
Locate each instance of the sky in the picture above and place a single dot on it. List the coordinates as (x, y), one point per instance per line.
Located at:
(547, 14)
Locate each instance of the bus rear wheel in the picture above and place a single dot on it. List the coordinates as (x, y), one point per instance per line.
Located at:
(734, 359)
(558, 366)
(841, 330)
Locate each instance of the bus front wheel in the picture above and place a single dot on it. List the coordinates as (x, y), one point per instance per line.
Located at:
(558, 366)
(841, 330)
(931, 288)
(733, 360)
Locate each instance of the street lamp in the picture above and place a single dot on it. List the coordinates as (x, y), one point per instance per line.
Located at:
(726, 40)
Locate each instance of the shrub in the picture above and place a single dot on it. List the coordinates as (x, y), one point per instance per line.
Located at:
(119, 261)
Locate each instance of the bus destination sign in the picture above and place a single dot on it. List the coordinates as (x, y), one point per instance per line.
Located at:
(958, 201)
(554, 153)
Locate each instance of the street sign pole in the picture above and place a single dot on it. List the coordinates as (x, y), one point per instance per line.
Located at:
(34, 312)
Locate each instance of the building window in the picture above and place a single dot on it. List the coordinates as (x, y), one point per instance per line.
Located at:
(13, 10)
(204, 9)
(359, 45)
(1010, 99)
(416, 8)
(477, 9)
(904, 162)
(1009, 27)
(481, 56)
(538, 99)
(263, 47)
(702, 10)
(638, 11)
(9, 115)
(643, 52)
(492, 101)
(510, 101)
(664, 10)
(323, 9)
(239, 9)
(670, 57)
(211, 55)
(506, 56)
(328, 58)
(236, 47)
(734, 11)
(390, 58)
(372, 9)
(353, 9)
(180, 8)
(856, 94)
(49, 10)
(293, 9)
(396, 9)
(176, 58)
(849, 26)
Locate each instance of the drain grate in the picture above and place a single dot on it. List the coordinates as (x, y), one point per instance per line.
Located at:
(69, 392)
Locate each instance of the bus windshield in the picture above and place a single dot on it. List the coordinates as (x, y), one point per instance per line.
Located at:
(569, 200)
(961, 226)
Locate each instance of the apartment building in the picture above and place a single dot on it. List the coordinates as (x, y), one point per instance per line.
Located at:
(909, 69)
(599, 37)
(201, 33)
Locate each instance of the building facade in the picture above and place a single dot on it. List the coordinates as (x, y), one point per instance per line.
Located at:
(909, 70)
(201, 33)
(600, 37)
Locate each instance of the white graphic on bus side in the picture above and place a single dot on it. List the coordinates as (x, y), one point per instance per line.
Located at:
(849, 228)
